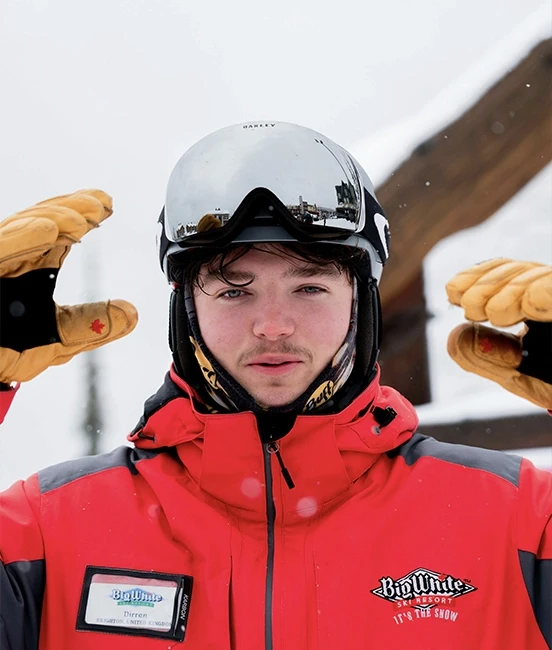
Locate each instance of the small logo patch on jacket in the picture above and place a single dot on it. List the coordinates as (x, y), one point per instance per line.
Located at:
(422, 590)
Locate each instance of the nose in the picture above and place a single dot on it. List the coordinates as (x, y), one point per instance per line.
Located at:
(273, 321)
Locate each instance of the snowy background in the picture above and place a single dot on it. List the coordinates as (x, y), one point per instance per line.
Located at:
(109, 94)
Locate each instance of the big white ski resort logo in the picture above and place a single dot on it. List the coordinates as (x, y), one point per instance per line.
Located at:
(419, 592)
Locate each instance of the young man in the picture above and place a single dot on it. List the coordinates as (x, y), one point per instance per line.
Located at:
(276, 496)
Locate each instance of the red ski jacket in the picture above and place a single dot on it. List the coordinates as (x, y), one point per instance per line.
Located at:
(193, 538)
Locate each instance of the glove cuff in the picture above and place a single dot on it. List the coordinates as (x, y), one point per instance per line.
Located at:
(27, 310)
(537, 351)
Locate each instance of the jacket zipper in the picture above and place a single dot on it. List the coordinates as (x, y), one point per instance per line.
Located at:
(270, 516)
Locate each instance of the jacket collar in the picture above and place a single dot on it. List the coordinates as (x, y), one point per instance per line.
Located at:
(325, 454)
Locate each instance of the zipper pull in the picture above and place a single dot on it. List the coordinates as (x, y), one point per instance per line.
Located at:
(274, 448)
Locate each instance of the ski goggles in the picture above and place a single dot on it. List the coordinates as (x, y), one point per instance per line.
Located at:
(270, 181)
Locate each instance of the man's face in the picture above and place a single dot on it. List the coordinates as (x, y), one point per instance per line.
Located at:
(278, 333)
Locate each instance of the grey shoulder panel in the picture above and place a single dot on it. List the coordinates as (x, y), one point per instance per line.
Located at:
(537, 575)
(21, 596)
(504, 465)
(56, 476)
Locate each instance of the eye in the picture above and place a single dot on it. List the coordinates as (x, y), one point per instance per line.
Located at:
(312, 290)
(231, 294)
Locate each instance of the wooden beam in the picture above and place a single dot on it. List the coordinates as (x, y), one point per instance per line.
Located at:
(515, 432)
(467, 171)
(404, 357)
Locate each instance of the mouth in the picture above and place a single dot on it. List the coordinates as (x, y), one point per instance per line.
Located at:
(274, 366)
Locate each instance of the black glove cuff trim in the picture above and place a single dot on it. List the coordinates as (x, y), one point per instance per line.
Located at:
(28, 311)
(537, 351)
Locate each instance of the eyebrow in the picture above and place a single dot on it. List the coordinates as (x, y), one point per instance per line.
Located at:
(241, 277)
(312, 271)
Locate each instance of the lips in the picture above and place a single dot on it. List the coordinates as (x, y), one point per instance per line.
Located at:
(274, 360)
(274, 364)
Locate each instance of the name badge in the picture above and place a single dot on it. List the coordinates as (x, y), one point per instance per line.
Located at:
(138, 603)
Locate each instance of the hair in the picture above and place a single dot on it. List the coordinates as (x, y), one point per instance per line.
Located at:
(186, 266)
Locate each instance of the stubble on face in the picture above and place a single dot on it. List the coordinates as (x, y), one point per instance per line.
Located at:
(282, 347)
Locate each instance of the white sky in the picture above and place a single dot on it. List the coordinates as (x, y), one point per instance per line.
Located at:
(111, 93)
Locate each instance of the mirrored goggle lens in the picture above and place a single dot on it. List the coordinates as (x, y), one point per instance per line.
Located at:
(317, 181)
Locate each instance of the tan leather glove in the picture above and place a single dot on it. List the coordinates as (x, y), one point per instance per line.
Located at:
(35, 333)
(505, 292)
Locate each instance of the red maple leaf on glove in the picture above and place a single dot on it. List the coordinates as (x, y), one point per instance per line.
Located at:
(97, 326)
(486, 345)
